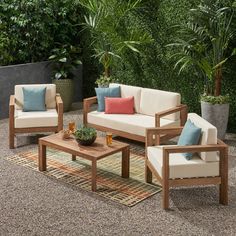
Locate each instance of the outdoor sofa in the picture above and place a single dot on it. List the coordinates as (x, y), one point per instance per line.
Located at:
(153, 108)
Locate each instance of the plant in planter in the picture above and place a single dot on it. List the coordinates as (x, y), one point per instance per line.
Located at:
(106, 21)
(65, 60)
(203, 43)
(104, 81)
(85, 135)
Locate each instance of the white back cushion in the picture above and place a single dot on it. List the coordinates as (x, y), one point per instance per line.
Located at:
(50, 95)
(153, 101)
(208, 136)
(129, 91)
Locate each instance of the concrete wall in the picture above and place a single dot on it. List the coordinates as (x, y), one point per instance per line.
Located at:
(31, 73)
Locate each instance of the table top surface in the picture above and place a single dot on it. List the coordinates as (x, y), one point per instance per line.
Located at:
(97, 150)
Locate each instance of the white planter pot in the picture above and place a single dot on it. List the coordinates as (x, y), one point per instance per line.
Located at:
(217, 115)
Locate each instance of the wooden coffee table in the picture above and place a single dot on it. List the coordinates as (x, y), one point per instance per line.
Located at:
(93, 153)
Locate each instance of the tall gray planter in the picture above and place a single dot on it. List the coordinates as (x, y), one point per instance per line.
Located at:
(217, 115)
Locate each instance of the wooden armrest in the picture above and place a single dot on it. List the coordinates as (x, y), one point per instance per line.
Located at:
(90, 101)
(150, 132)
(194, 148)
(182, 108)
(58, 99)
(59, 104)
(87, 104)
(12, 101)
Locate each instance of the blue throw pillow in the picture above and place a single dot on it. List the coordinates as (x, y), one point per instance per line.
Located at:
(190, 135)
(106, 92)
(34, 98)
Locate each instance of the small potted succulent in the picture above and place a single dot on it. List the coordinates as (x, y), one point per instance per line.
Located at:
(104, 81)
(85, 135)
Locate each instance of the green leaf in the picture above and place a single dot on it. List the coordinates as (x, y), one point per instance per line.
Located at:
(64, 59)
(52, 57)
(58, 75)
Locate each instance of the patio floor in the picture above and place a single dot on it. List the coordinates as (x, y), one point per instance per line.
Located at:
(34, 204)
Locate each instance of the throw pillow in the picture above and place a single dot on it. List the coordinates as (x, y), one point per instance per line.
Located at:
(34, 98)
(190, 135)
(106, 92)
(119, 105)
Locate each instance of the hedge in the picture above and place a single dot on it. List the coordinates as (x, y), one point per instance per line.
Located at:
(154, 67)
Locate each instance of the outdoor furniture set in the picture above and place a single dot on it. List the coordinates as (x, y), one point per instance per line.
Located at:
(146, 115)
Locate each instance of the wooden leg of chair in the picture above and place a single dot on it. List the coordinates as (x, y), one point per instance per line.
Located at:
(11, 139)
(165, 195)
(224, 177)
(148, 174)
(165, 185)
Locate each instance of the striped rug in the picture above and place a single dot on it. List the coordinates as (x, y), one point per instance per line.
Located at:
(110, 185)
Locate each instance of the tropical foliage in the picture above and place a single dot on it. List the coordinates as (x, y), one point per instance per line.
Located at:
(108, 22)
(66, 59)
(203, 43)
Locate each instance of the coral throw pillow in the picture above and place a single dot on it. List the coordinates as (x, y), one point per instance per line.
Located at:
(119, 105)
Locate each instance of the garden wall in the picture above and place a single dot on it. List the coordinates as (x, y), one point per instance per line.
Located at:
(31, 73)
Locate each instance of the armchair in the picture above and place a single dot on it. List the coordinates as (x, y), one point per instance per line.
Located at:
(50, 120)
(208, 166)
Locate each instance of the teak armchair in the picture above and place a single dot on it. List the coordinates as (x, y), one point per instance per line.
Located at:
(171, 168)
(50, 120)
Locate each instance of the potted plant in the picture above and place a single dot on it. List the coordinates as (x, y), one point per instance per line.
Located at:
(85, 135)
(104, 81)
(65, 60)
(203, 44)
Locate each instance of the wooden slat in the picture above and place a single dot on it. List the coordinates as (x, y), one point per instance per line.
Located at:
(96, 151)
(118, 132)
(36, 129)
(194, 181)
(194, 148)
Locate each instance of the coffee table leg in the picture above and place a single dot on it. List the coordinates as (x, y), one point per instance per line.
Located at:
(73, 157)
(125, 162)
(42, 157)
(94, 175)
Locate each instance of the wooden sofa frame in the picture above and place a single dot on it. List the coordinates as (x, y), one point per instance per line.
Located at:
(167, 183)
(88, 102)
(13, 131)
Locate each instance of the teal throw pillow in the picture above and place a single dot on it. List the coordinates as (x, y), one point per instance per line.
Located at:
(34, 98)
(106, 92)
(190, 135)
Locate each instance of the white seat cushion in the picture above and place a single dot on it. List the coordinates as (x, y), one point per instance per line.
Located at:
(208, 136)
(50, 98)
(179, 166)
(134, 124)
(153, 101)
(32, 119)
(129, 91)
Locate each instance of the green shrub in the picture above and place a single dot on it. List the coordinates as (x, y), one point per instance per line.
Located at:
(215, 100)
(33, 27)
